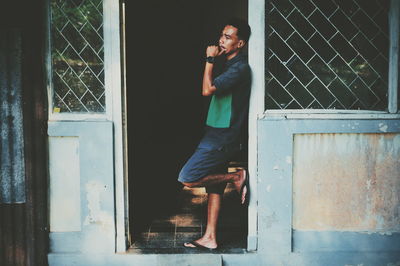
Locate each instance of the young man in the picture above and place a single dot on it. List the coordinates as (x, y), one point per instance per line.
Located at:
(226, 115)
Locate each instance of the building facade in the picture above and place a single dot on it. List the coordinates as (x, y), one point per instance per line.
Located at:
(324, 129)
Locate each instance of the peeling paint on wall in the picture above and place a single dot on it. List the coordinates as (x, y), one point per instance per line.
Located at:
(95, 214)
(98, 231)
(348, 182)
(269, 220)
(383, 127)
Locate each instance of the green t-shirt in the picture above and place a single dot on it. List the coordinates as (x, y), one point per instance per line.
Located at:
(220, 111)
(229, 103)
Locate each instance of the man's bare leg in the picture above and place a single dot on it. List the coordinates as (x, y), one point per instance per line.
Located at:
(237, 178)
(209, 239)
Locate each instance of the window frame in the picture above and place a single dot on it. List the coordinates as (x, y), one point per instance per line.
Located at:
(256, 57)
(114, 109)
(110, 75)
(393, 74)
(393, 80)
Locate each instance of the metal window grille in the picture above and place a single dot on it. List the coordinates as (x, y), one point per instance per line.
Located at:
(327, 54)
(77, 56)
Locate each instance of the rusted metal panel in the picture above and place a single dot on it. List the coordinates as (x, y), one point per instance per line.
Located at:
(23, 226)
(35, 135)
(12, 167)
(346, 182)
(12, 235)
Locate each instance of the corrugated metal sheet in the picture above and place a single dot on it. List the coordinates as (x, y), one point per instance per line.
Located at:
(12, 167)
(23, 225)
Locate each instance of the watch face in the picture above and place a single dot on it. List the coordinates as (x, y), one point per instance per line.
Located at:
(210, 59)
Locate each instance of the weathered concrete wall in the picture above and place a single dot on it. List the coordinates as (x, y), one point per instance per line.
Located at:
(81, 187)
(346, 182)
(328, 188)
(65, 204)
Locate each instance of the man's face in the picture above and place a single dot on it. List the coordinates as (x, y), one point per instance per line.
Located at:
(229, 42)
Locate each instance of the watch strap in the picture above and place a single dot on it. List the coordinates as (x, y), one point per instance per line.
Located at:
(210, 59)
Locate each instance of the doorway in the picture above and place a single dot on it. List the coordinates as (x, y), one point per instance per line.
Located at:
(165, 50)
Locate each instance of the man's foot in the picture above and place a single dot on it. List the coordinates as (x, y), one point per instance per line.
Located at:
(241, 184)
(202, 242)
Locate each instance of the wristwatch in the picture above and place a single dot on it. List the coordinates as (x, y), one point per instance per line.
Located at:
(210, 59)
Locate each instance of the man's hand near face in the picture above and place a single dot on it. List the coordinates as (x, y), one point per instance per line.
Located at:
(208, 88)
(214, 51)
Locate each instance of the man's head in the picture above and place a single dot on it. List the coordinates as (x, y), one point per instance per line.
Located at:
(234, 36)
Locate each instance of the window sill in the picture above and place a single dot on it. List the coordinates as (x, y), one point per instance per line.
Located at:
(327, 114)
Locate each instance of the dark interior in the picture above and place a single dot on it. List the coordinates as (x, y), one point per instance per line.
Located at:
(165, 51)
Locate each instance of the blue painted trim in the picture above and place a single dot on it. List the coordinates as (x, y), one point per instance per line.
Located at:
(251, 243)
(65, 241)
(306, 241)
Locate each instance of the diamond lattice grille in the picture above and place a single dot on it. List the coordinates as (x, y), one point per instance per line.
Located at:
(78, 56)
(327, 54)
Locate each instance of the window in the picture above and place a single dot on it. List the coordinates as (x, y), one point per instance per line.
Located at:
(331, 54)
(77, 55)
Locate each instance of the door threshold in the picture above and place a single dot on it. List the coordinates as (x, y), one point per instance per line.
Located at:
(183, 250)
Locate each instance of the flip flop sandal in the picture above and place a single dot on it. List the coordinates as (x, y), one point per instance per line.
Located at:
(199, 246)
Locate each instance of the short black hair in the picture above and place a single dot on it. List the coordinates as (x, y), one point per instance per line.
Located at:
(243, 28)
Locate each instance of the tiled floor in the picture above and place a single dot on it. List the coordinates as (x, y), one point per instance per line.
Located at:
(167, 234)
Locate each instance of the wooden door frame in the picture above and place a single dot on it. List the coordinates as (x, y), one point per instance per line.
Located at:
(35, 135)
(256, 19)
